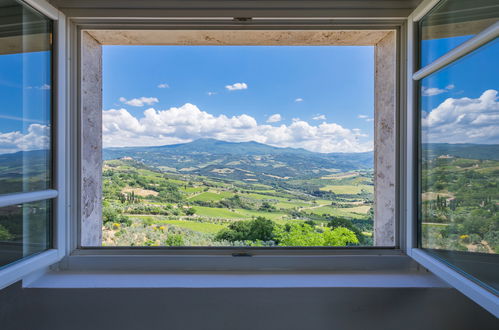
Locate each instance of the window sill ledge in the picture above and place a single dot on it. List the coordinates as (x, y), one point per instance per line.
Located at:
(116, 279)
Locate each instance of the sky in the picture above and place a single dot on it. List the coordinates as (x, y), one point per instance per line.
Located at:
(319, 98)
(315, 97)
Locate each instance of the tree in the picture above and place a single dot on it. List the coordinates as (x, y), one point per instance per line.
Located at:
(260, 229)
(339, 236)
(306, 235)
(298, 235)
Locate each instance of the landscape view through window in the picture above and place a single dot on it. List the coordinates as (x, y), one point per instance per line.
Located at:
(238, 146)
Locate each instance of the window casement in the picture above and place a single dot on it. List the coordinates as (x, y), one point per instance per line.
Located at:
(32, 175)
(452, 195)
(400, 71)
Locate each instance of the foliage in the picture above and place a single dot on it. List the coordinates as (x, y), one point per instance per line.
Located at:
(260, 229)
(306, 235)
(5, 235)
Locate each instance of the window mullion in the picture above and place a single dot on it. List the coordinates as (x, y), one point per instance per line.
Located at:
(27, 197)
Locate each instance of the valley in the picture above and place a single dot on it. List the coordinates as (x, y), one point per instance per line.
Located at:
(215, 193)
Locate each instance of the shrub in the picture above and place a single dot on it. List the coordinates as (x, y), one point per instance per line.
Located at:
(260, 229)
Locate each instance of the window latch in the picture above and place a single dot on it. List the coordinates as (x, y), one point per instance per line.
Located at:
(243, 19)
(242, 254)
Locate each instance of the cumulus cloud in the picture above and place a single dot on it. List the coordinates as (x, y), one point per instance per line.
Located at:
(163, 85)
(299, 99)
(365, 117)
(37, 137)
(188, 123)
(274, 118)
(319, 117)
(236, 86)
(464, 120)
(431, 91)
(140, 102)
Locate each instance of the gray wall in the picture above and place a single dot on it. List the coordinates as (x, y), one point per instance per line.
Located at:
(240, 309)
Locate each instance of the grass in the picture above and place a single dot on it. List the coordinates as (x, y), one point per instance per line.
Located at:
(348, 189)
(268, 215)
(217, 212)
(335, 212)
(291, 205)
(211, 196)
(359, 209)
(202, 227)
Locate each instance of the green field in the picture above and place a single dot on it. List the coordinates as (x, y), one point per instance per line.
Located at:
(151, 206)
(348, 189)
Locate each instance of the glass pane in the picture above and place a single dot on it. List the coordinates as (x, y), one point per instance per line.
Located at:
(25, 91)
(451, 23)
(460, 163)
(24, 230)
(240, 146)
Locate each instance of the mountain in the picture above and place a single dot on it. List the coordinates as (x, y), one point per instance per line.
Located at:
(241, 160)
(461, 150)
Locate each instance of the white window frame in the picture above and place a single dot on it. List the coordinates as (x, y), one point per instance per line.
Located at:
(128, 261)
(19, 269)
(465, 285)
(186, 258)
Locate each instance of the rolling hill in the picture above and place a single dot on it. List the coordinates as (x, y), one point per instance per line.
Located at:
(242, 160)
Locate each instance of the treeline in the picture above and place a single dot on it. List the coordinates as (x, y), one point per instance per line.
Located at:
(265, 232)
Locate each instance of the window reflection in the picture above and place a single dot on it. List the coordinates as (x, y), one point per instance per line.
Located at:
(25, 91)
(451, 23)
(24, 230)
(460, 163)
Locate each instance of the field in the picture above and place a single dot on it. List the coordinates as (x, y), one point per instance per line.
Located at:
(460, 203)
(155, 206)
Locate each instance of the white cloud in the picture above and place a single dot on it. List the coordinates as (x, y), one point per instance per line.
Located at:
(163, 85)
(211, 93)
(42, 87)
(236, 86)
(140, 102)
(274, 118)
(299, 99)
(431, 91)
(36, 138)
(188, 123)
(319, 117)
(366, 118)
(464, 120)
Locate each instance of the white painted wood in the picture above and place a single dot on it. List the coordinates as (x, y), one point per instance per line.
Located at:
(44, 7)
(27, 197)
(423, 9)
(463, 49)
(16, 271)
(410, 142)
(236, 280)
(62, 149)
(478, 294)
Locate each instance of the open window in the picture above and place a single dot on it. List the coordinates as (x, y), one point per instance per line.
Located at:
(457, 128)
(238, 138)
(31, 178)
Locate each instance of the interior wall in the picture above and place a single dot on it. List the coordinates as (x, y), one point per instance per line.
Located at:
(240, 309)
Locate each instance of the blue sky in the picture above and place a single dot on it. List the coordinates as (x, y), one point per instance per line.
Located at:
(330, 84)
(335, 81)
(314, 97)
